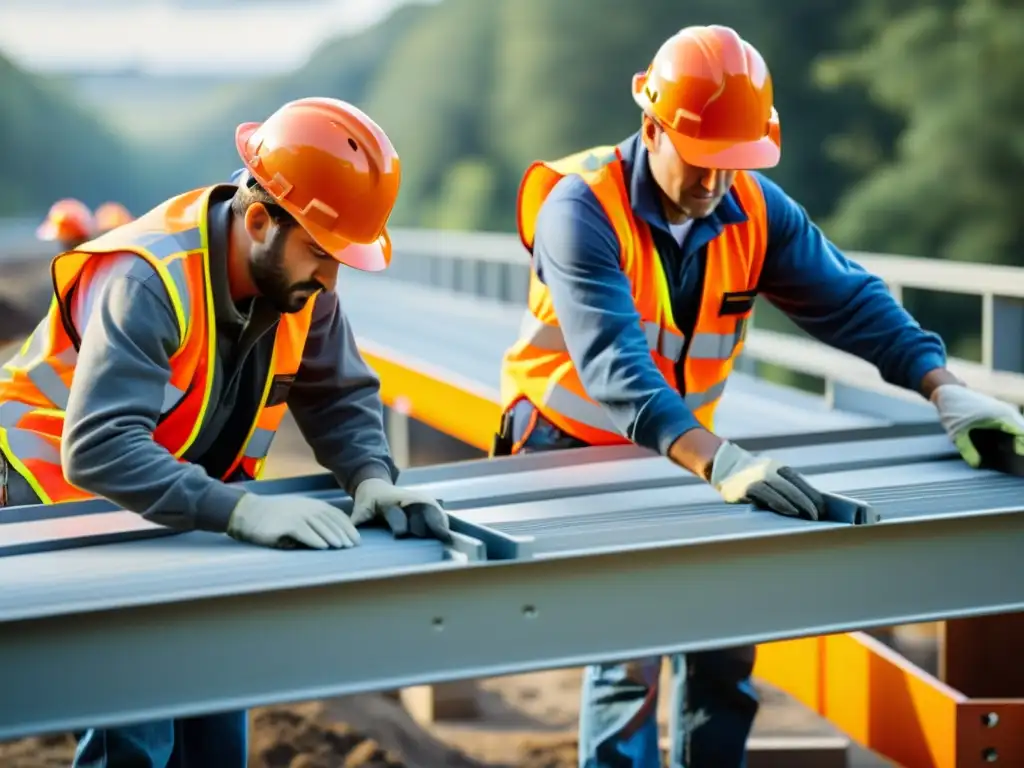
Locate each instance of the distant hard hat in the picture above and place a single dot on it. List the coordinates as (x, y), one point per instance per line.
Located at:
(112, 215)
(334, 170)
(712, 93)
(68, 220)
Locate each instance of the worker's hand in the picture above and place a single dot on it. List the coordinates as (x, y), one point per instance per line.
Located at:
(406, 511)
(285, 522)
(741, 476)
(962, 410)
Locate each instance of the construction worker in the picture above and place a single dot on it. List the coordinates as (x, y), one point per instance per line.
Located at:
(110, 216)
(174, 347)
(69, 223)
(647, 257)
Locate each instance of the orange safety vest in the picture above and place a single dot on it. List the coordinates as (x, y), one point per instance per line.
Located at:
(538, 366)
(35, 385)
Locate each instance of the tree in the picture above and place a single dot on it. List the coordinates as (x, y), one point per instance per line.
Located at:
(954, 73)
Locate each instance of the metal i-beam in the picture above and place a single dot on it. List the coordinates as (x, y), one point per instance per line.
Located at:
(196, 623)
(173, 647)
(476, 484)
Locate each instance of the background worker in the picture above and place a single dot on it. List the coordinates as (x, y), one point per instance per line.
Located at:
(160, 373)
(111, 215)
(646, 261)
(24, 291)
(68, 223)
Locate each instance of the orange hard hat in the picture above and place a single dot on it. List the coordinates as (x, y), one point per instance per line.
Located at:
(68, 220)
(112, 215)
(334, 170)
(712, 93)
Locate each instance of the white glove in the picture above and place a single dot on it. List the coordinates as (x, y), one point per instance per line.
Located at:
(962, 409)
(739, 475)
(284, 522)
(406, 511)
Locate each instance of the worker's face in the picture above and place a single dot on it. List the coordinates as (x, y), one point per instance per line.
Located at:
(688, 192)
(287, 266)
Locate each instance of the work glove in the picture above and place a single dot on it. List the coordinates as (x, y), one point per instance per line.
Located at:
(285, 522)
(962, 410)
(407, 512)
(740, 476)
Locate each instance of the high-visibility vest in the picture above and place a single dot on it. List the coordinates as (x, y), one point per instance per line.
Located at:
(538, 366)
(35, 385)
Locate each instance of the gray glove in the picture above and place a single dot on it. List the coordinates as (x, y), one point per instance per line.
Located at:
(284, 522)
(739, 476)
(962, 410)
(406, 511)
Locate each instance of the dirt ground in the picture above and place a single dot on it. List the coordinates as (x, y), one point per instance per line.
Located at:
(526, 721)
(523, 721)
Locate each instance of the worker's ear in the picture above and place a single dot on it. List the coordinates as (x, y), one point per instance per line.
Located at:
(257, 222)
(649, 133)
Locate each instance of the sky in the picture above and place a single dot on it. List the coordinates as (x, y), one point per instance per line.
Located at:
(177, 36)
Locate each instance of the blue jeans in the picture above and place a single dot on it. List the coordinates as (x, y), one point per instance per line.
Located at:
(209, 741)
(713, 701)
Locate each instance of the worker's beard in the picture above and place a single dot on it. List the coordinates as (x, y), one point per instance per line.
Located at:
(267, 266)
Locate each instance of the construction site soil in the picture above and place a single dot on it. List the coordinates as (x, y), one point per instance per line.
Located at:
(305, 736)
(375, 731)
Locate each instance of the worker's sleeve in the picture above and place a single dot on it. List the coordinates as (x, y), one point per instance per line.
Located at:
(122, 370)
(577, 256)
(836, 300)
(336, 401)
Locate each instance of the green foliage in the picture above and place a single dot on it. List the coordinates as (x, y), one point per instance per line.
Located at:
(953, 72)
(900, 118)
(430, 96)
(466, 198)
(55, 148)
(343, 68)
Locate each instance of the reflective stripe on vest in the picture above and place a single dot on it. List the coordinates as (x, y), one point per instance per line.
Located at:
(35, 385)
(539, 368)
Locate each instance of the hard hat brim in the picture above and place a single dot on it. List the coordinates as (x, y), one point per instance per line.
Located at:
(726, 156)
(366, 257)
(47, 231)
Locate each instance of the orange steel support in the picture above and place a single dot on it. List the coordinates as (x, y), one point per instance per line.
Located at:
(892, 707)
(436, 396)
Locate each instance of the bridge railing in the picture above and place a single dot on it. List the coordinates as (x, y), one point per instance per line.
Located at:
(495, 266)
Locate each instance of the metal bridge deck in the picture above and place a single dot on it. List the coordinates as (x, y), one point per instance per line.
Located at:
(468, 336)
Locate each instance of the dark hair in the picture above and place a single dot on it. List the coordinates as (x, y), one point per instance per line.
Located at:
(251, 192)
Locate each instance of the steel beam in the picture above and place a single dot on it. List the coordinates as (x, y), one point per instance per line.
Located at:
(79, 634)
(582, 471)
(474, 485)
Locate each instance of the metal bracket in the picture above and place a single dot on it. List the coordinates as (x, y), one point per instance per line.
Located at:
(500, 546)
